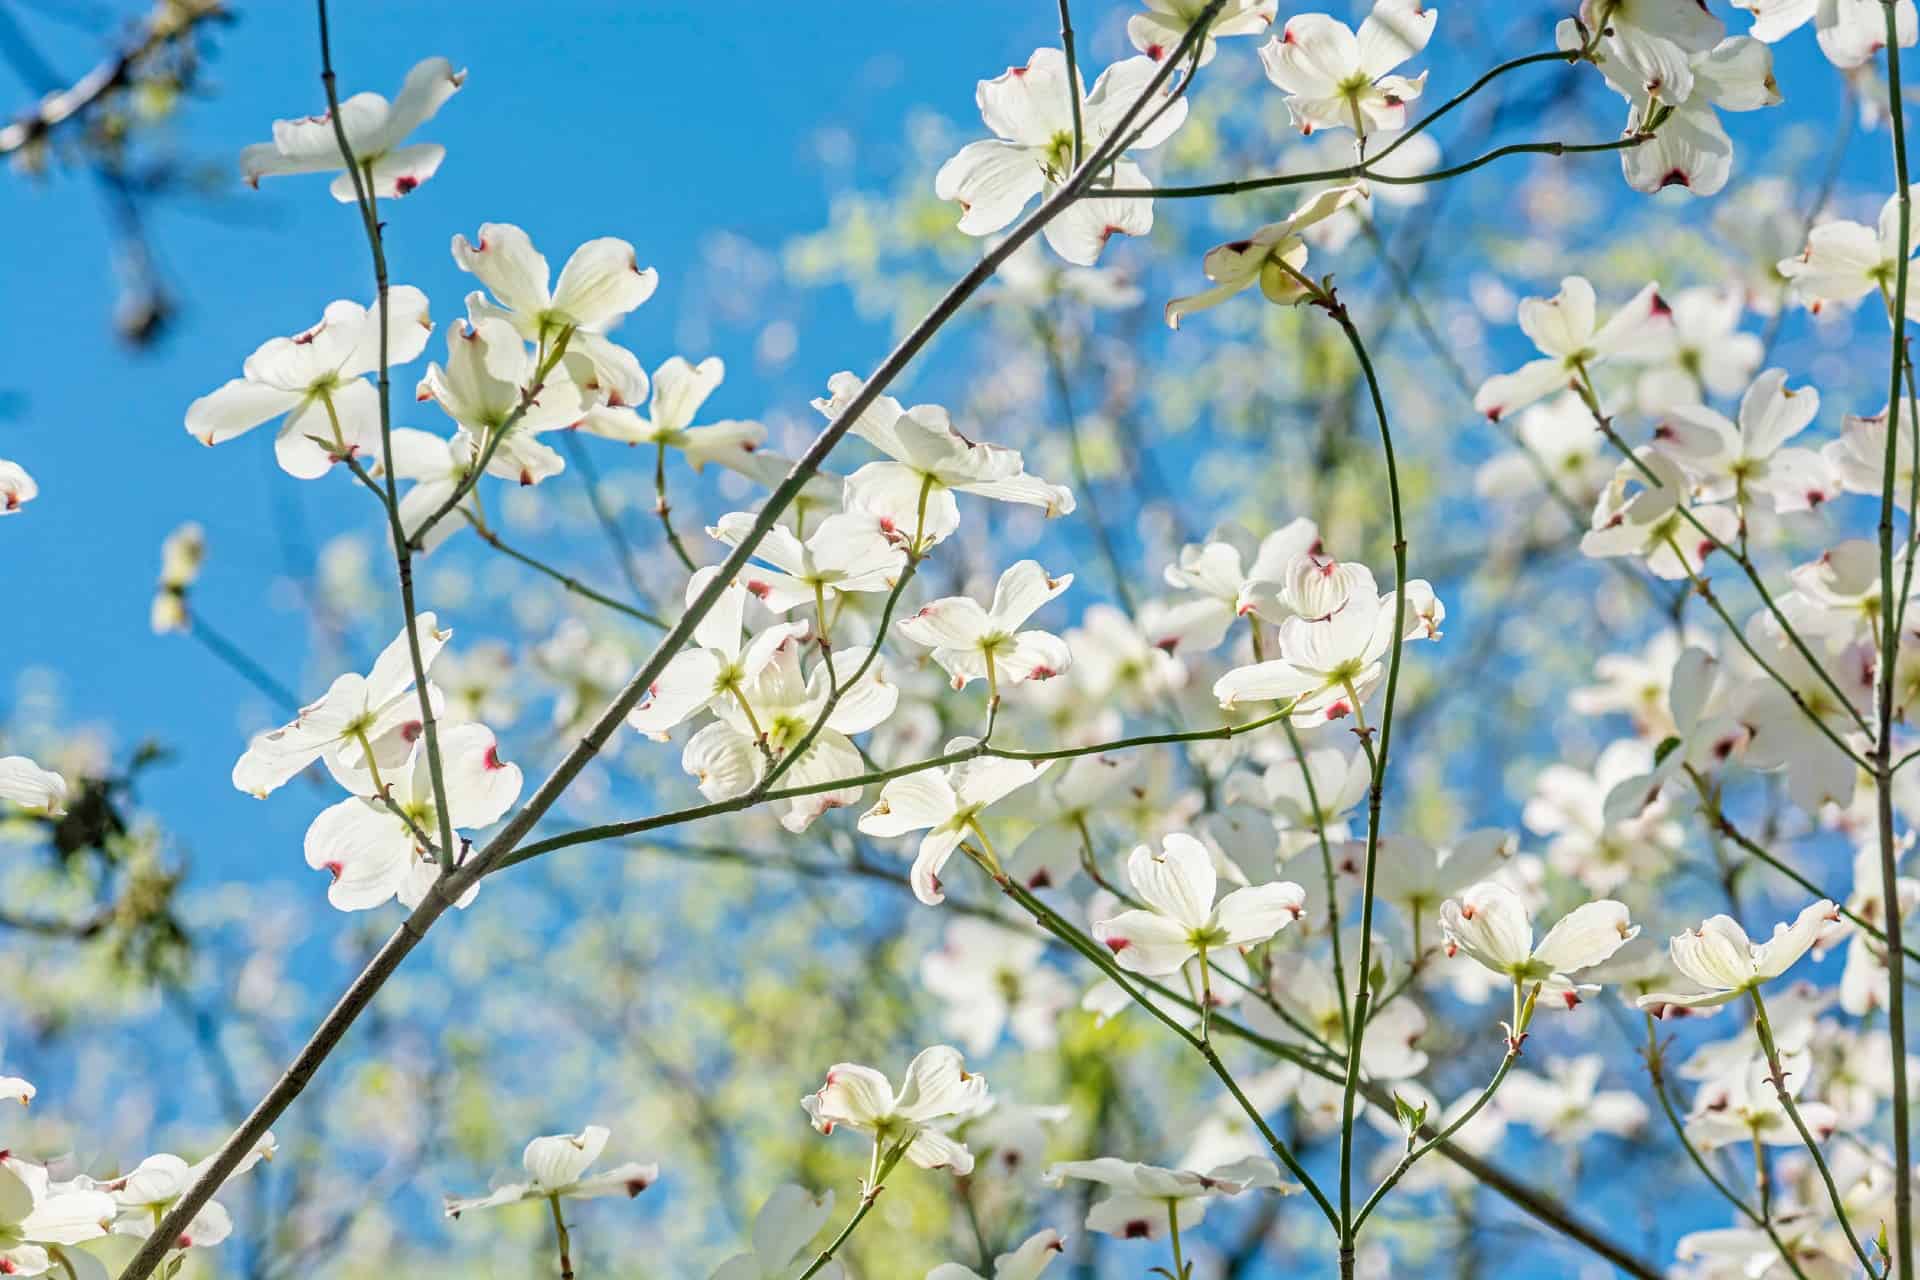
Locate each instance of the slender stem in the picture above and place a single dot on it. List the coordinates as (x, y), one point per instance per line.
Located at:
(562, 1239)
(1779, 1078)
(1417, 1152)
(581, 459)
(1890, 628)
(672, 818)
(566, 580)
(664, 509)
(1329, 301)
(1717, 816)
(876, 1176)
(1352, 171)
(1073, 79)
(368, 201)
(1173, 1236)
(1656, 1071)
(1102, 960)
(1326, 869)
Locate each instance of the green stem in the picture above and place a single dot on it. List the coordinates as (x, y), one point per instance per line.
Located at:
(1889, 659)
(1779, 1079)
(561, 1237)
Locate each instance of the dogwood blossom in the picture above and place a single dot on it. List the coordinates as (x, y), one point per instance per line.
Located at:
(947, 806)
(37, 790)
(34, 1218)
(1727, 964)
(913, 493)
(376, 131)
(1331, 651)
(1335, 79)
(679, 390)
(361, 722)
(489, 372)
(1649, 514)
(1180, 919)
(1158, 31)
(1489, 922)
(1709, 356)
(1860, 457)
(16, 488)
(1275, 256)
(372, 847)
(937, 1089)
(846, 554)
(720, 663)
(1850, 32)
(1030, 111)
(1572, 342)
(1741, 1105)
(1023, 1263)
(974, 643)
(1559, 445)
(790, 1218)
(315, 383)
(144, 1195)
(1143, 1200)
(556, 1169)
(778, 708)
(1231, 576)
(601, 283)
(1845, 261)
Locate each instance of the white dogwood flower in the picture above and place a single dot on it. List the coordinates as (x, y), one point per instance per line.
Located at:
(679, 389)
(974, 643)
(360, 723)
(1159, 30)
(912, 495)
(374, 854)
(376, 131)
(489, 371)
(1490, 923)
(779, 707)
(556, 1169)
(1572, 343)
(602, 282)
(1331, 650)
(947, 806)
(315, 382)
(845, 554)
(1845, 261)
(718, 665)
(1850, 32)
(1180, 919)
(35, 1217)
(1030, 111)
(1337, 79)
(936, 1090)
(1143, 1200)
(1727, 964)
(1751, 460)
(37, 790)
(1275, 256)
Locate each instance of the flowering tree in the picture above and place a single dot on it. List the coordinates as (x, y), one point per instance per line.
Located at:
(1431, 1001)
